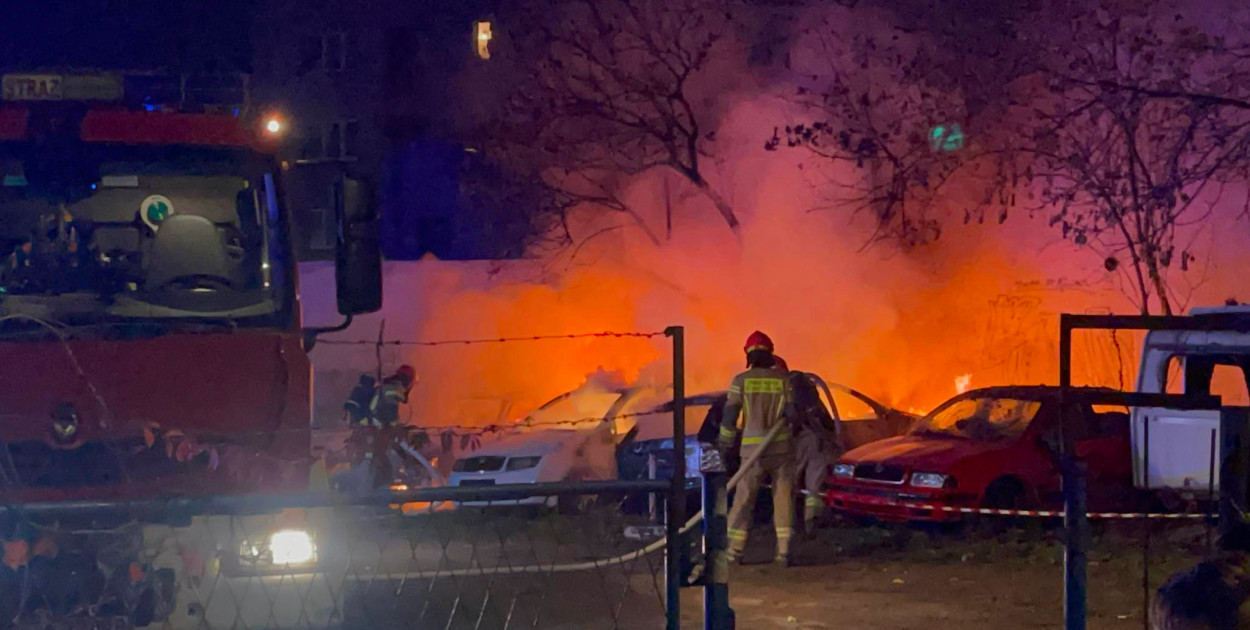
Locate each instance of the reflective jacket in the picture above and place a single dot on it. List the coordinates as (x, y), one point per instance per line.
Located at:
(761, 396)
(384, 408)
(357, 405)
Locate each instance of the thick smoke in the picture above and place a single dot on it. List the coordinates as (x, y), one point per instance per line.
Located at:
(978, 306)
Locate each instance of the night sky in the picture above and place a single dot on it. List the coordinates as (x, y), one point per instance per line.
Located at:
(128, 34)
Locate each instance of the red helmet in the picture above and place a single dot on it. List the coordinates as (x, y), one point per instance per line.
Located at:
(758, 341)
(780, 364)
(406, 371)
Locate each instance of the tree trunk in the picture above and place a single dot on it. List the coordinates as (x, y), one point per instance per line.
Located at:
(646, 229)
(722, 206)
(1160, 287)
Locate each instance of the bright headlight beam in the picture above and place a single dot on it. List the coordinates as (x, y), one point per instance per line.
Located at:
(292, 546)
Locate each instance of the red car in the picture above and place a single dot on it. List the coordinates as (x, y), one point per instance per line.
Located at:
(995, 447)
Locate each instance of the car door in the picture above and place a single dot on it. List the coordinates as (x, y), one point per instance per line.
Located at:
(1039, 454)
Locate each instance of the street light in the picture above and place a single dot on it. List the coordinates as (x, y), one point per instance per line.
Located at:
(273, 126)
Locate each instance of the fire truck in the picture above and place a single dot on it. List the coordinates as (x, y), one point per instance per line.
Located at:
(151, 345)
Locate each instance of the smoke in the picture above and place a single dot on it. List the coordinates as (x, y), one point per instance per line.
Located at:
(978, 306)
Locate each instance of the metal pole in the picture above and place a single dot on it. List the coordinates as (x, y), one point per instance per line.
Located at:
(1145, 554)
(1074, 499)
(1232, 478)
(717, 615)
(378, 348)
(652, 507)
(676, 516)
(1211, 489)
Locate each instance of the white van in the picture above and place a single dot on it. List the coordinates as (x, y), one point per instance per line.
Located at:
(1179, 443)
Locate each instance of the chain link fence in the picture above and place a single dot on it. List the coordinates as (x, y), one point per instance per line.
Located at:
(470, 558)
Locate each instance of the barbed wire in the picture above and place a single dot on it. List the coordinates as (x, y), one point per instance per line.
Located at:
(457, 429)
(466, 342)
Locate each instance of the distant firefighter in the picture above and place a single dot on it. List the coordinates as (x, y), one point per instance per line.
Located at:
(357, 405)
(384, 408)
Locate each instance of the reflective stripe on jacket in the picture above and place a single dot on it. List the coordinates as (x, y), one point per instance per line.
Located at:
(384, 408)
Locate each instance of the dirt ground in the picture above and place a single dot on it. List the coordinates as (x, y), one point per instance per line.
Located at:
(900, 579)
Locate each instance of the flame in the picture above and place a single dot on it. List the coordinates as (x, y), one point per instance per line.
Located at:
(900, 326)
(962, 383)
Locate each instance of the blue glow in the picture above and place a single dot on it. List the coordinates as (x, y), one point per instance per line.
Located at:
(149, 107)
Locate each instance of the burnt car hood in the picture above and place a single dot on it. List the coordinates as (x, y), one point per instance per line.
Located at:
(918, 452)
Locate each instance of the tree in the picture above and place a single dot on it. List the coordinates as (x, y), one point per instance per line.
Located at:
(1125, 145)
(877, 101)
(1120, 123)
(610, 92)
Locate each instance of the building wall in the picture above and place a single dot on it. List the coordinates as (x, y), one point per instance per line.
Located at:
(365, 87)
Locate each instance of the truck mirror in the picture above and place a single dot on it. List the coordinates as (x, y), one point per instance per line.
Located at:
(358, 255)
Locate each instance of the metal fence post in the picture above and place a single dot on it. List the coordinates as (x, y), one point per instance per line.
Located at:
(1074, 499)
(676, 516)
(1234, 480)
(1145, 552)
(717, 615)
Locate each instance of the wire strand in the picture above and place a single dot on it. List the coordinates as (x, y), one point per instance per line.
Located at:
(466, 342)
(58, 330)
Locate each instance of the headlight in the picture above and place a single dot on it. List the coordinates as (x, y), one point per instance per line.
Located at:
(292, 546)
(285, 550)
(523, 463)
(844, 470)
(928, 480)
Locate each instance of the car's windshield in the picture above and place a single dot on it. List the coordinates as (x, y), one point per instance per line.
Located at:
(980, 418)
(123, 234)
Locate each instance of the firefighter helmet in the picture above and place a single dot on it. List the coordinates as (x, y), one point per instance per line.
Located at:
(406, 372)
(758, 341)
(780, 364)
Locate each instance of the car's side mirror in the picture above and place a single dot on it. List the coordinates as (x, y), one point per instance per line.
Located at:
(358, 254)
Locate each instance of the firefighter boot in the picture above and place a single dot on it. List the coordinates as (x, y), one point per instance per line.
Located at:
(813, 507)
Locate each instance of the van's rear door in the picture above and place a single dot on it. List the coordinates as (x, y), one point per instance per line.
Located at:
(1172, 449)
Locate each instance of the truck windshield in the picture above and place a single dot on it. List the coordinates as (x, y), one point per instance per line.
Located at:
(140, 234)
(983, 419)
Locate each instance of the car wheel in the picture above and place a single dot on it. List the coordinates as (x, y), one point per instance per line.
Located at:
(1004, 494)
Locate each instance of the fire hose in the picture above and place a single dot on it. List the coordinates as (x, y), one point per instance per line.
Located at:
(606, 562)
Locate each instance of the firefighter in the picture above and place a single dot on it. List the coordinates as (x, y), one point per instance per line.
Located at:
(375, 430)
(760, 396)
(384, 408)
(357, 405)
(815, 445)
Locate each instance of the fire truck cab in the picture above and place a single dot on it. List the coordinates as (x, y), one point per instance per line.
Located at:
(150, 331)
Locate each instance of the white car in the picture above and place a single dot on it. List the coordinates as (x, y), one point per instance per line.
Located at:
(566, 439)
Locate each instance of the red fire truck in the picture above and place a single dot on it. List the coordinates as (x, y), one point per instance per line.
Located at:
(151, 346)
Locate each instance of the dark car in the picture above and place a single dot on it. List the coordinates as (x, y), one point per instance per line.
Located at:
(995, 448)
(645, 452)
(646, 449)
